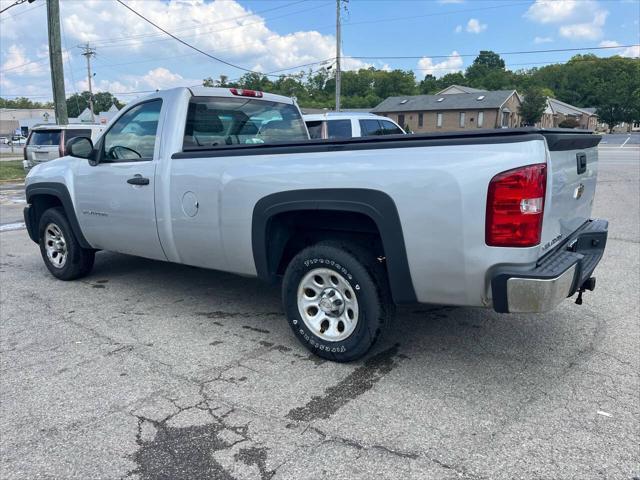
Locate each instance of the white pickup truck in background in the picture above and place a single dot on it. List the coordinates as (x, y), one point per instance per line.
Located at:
(227, 179)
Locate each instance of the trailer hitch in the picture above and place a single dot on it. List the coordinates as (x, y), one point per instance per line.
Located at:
(589, 284)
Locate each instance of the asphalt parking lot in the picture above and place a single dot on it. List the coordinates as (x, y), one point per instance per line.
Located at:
(147, 370)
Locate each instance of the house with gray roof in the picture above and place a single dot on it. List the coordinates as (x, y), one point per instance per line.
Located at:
(453, 109)
(557, 112)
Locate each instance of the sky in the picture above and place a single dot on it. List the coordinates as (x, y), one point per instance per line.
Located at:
(440, 36)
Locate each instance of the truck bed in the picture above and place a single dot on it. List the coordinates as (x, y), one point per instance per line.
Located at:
(557, 139)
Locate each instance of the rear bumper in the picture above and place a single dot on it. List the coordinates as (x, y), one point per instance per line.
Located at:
(557, 275)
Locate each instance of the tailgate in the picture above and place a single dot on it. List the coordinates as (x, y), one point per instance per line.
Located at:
(571, 184)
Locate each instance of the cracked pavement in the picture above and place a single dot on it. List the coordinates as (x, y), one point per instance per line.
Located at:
(146, 370)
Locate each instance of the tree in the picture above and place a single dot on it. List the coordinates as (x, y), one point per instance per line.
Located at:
(429, 84)
(23, 102)
(533, 106)
(102, 102)
(488, 71)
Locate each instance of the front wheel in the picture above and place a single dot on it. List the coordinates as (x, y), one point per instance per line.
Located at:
(335, 300)
(60, 249)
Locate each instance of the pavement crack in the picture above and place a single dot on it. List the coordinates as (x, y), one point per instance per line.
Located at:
(358, 382)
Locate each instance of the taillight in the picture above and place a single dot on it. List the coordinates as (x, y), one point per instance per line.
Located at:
(515, 204)
(243, 92)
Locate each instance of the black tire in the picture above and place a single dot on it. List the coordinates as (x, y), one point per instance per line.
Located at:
(79, 261)
(367, 280)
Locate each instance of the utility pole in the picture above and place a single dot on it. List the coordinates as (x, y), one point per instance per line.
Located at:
(87, 53)
(55, 59)
(338, 2)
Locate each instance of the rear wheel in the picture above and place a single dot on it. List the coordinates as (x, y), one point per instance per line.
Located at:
(335, 300)
(60, 249)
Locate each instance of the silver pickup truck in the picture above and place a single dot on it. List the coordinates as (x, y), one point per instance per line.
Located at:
(227, 179)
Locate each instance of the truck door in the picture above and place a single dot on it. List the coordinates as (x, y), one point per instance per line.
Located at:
(115, 199)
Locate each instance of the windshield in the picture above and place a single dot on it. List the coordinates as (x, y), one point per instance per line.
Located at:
(45, 137)
(216, 121)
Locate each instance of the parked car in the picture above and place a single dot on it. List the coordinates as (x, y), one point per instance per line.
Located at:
(17, 140)
(47, 142)
(4, 140)
(350, 125)
(227, 179)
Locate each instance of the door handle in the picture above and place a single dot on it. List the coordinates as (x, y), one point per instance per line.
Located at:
(138, 180)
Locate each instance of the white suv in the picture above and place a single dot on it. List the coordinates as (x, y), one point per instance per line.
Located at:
(349, 125)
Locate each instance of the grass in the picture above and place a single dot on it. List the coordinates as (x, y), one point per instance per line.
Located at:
(11, 170)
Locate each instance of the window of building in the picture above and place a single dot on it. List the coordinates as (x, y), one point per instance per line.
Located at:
(462, 115)
(439, 120)
(505, 119)
(480, 119)
(401, 120)
(420, 120)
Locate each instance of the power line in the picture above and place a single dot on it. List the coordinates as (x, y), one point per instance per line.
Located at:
(435, 14)
(192, 26)
(17, 2)
(217, 59)
(19, 13)
(114, 43)
(555, 50)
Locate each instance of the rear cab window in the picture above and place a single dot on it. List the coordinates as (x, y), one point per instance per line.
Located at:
(45, 137)
(221, 121)
(339, 128)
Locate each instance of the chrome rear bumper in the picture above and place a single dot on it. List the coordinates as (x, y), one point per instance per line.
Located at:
(557, 275)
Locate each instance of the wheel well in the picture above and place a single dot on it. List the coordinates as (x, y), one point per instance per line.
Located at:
(290, 232)
(41, 203)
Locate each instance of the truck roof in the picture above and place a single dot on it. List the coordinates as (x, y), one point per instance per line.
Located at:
(226, 92)
(337, 115)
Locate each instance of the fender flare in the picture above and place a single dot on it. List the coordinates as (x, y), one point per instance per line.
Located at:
(60, 191)
(377, 205)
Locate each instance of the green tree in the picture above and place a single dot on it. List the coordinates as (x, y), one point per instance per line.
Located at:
(102, 102)
(23, 102)
(488, 71)
(532, 106)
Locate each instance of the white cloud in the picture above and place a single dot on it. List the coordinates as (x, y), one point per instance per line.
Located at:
(539, 40)
(552, 11)
(18, 63)
(474, 26)
(631, 52)
(586, 31)
(451, 64)
(458, 29)
(577, 19)
(227, 30)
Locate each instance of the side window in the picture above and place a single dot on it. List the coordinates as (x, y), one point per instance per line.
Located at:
(315, 129)
(339, 128)
(390, 128)
(133, 136)
(370, 127)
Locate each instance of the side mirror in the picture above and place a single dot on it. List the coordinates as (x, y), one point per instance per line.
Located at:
(81, 147)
